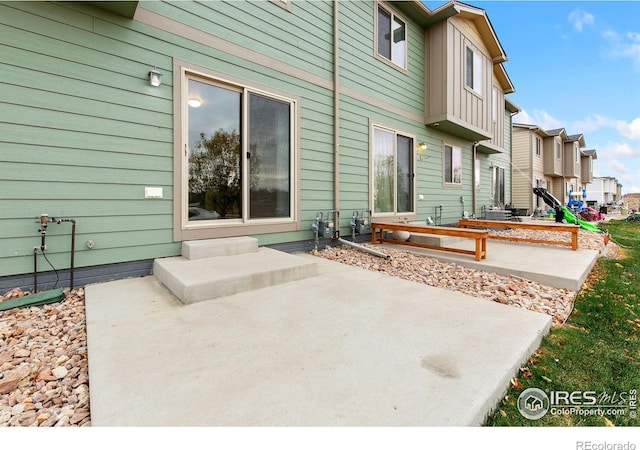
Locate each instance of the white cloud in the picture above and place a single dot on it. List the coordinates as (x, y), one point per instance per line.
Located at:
(592, 124)
(623, 46)
(630, 130)
(617, 167)
(579, 18)
(539, 118)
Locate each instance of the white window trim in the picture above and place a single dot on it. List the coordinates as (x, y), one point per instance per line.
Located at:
(378, 56)
(451, 183)
(478, 72)
(185, 229)
(494, 172)
(396, 132)
(494, 104)
(284, 4)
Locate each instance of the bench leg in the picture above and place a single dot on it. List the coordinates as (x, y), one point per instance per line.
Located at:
(574, 240)
(484, 248)
(478, 249)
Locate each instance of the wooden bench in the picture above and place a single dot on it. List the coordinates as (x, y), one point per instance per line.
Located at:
(480, 236)
(569, 228)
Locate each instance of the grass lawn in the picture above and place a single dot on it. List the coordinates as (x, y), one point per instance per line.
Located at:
(596, 354)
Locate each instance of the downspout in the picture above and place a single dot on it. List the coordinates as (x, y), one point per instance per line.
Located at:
(336, 118)
(473, 179)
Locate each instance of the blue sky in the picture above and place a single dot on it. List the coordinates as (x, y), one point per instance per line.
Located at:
(576, 65)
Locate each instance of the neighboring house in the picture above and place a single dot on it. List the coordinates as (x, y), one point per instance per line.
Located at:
(632, 201)
(550, 159)
(529, 166)
(152, 123)
(578, 166)
(603, 191)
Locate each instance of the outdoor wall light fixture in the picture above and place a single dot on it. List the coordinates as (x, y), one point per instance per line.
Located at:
(422, 147)
(155, 77)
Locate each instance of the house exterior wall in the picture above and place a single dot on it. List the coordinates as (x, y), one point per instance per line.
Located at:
(373, 92)
(447, 96)
(84, 133)
(598, 191)
(586, 169)
(571, 165)
(552, 163)
(558, 189)
(522, 167)
(484, 191)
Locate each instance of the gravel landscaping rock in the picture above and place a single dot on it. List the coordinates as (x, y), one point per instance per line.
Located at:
(44, 379)
(513, 291)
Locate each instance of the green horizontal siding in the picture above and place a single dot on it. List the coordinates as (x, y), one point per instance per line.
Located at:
(84, 133)
(360, 70)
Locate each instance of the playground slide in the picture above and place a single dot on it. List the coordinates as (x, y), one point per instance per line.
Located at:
(568, 215)
(571, 218)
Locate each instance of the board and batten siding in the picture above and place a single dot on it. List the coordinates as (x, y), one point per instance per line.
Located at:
(447, 95)
(521, 173)
(84, 133)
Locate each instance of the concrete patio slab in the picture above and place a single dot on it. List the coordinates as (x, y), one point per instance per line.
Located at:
(558, 267)
(348, 347)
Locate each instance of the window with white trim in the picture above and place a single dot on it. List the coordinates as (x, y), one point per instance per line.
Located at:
(474, 70)
(392, 172)
(238, 155)
(558, 150)
(494, 104)
(538, 146)
(498, 191)
(452, 159)
(392, 37)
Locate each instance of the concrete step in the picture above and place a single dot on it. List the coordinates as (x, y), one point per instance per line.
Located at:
(434, 240)
(209, 248)
(202, 279)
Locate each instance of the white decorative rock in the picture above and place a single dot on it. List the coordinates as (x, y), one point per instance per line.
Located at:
(401, 235)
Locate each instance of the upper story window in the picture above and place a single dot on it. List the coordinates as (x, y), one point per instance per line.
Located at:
(558, 150)
(474, 70)
(392, 38)
(494, 104)
(538, 146)
(452, 164)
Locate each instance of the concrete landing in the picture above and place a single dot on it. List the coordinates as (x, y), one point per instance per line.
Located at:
(348, 347)
(558, 267)
(221, 267)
